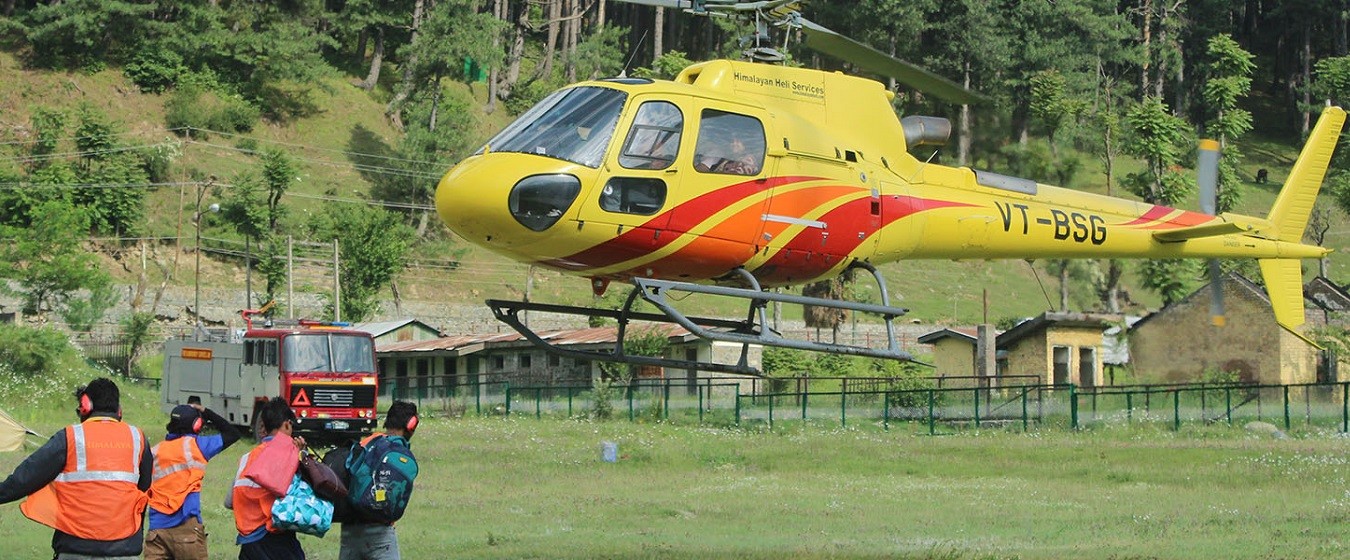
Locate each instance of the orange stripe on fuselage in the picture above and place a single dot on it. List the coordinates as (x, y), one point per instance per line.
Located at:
(1158, 218)
(682, 218)
(1155, 213)
(810, 254)
(1185, 219)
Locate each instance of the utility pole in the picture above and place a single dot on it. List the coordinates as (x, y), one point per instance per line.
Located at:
(248, 272)
(337, 285)
(290, 277)
(197, 250)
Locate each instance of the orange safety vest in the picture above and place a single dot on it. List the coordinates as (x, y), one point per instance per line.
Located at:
(96, 495)
(179, 470)
(252, 503)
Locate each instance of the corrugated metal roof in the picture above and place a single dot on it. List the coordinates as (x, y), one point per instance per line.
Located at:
(572, 337)
(960, 333)
(382, 327)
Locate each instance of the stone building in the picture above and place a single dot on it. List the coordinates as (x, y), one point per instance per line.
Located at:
(448, 364)
(1180, 342)
(1059, 348)
(1054, 348)
(954, 351)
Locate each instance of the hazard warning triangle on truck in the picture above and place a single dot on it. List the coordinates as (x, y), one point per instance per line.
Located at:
(300, 399)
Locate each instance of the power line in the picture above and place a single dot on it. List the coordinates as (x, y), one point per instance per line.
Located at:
(60, 138)
(307, 147)
(359, 167)
(386, 204)
(27, 185)
(85, 153)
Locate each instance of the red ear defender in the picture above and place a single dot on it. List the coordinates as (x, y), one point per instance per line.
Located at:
(86, 405)
(412, 424)
(197, 425)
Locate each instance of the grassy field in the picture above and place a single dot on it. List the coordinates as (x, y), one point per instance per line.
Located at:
(520, 488)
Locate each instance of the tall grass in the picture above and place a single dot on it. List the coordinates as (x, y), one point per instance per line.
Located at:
(522, 488)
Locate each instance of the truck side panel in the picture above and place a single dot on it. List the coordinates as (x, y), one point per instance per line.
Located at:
(201, 369)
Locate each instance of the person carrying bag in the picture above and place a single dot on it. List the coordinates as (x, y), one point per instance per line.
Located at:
(255, 491)
(380, 474)
(302, 511)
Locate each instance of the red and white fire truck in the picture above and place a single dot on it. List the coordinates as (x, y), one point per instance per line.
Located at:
(324, 370)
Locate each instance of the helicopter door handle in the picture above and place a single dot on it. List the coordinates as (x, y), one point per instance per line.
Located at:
(673, 169)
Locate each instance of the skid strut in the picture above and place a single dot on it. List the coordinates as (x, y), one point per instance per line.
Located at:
(751, 330)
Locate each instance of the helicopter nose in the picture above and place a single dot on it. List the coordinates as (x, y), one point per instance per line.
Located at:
(476, 203)
(466, 200)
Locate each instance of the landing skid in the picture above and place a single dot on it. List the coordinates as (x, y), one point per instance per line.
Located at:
(751, 330)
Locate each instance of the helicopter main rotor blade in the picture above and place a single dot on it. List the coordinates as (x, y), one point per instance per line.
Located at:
(677, 4)
(821, 39)
(705, 6)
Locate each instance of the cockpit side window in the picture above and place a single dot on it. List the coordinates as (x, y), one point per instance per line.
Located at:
(654, 138)
(729, 143)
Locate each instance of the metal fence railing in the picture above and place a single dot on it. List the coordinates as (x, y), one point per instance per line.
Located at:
(918, 403)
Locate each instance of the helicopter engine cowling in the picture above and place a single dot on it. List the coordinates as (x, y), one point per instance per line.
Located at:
(925, 131)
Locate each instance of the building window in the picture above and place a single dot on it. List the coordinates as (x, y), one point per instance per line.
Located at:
(499, 362)
(525, 361)
(1061, 364)
(554, 360)
(1087, 367)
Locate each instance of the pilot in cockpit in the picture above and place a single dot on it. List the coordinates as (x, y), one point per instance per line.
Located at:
(727, 155)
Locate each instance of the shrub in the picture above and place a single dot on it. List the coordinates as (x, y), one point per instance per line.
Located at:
(191, 106)
(602, 400)
(30, 351)
(154, 70)
(905, 376)
(157, 159)
(235, 115)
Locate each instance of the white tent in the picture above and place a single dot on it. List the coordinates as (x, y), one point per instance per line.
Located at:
(12, 433)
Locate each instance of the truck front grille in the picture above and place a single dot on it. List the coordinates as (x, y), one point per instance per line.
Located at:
(334, 396)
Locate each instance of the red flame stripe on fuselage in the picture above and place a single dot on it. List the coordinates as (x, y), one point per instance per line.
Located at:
(1155, 213)
(681, 218)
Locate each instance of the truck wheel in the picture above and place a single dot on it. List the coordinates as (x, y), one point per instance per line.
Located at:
(257, 422)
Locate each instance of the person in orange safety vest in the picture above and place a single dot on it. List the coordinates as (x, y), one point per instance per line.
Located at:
(88, 481)
(252, 503)
(176, 530)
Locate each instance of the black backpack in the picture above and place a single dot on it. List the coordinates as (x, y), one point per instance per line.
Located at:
(336, 459)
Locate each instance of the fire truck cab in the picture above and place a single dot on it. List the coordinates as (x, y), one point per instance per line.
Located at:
(325, 371)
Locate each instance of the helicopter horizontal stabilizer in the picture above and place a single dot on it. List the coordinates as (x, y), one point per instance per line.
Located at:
(1195, 232)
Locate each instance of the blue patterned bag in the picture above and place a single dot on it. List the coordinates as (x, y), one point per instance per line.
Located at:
(301, 511)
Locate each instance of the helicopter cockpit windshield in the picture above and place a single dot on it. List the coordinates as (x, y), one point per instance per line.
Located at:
(573, 124)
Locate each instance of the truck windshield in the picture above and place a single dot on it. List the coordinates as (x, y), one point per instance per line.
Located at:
(573, 124)
(336, 353)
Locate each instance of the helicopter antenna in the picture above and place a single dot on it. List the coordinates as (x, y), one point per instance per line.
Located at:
(632, 55)
(919, 171)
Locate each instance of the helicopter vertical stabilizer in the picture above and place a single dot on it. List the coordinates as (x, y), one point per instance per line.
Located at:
(1295, 203)
(1284, 286)
(1289, 216)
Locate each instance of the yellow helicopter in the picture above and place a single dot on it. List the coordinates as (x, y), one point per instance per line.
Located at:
(740, 176)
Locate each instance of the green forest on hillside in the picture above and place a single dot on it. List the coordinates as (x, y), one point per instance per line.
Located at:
(126, 123)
